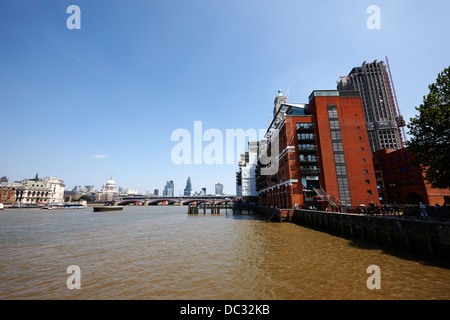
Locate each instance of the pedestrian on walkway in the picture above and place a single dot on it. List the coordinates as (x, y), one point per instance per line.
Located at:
(395, 208)
(423, 211)
(363, 208)
(438, 210)
(371, 208)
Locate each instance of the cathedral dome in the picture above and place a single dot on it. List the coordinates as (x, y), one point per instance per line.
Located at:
(111, 182)
(110, 186)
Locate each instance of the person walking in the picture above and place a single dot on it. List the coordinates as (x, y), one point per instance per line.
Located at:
(371, 208)
(423, 211)
(363, 208)
(386, 209)
(395, 208)
(438, 210)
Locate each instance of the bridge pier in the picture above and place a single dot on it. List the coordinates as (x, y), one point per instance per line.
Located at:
(213, 208)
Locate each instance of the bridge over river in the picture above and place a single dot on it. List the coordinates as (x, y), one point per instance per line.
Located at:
(151, 201)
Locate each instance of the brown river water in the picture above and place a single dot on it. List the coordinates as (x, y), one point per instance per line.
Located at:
(161, 252)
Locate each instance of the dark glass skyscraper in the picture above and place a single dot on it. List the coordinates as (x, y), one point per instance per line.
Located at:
(188, 189)
(169, 189)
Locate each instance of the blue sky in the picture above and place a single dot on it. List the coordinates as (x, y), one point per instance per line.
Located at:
(138, 70)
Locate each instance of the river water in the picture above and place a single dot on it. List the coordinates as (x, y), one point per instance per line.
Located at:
(161, 252)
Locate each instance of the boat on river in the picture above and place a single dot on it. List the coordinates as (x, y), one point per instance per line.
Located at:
(65, 206)
(107, 208)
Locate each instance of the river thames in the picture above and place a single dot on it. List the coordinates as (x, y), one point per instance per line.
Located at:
(162, 253)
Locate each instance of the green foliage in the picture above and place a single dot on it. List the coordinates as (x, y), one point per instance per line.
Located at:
(85, 197)
(430, 144)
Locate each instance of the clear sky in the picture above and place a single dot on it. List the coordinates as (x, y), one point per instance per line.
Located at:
(83, 104)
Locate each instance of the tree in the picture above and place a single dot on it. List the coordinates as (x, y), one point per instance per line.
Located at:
(430, 130)
(85, 197)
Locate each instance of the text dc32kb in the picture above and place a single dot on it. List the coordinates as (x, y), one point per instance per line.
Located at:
(241, 309)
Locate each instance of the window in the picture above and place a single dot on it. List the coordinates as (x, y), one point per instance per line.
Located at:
(399, 157)
(364, 159)
(385, 172)
(405, 156)
(408, 168)
(339, 158)
(341, 170)
(362, 149)
(334, 124)
(332, 113)
(367, 181)
(383, 162)
(366, 171)
(369, 192)
(391, 159)
(335, 135)
(337, 146)
(402, 170)
(359, 138)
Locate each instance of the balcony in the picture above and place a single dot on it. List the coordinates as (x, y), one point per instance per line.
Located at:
(307, 148)
(309, 160)
(310, 171)
(306, 137)
(305, 127)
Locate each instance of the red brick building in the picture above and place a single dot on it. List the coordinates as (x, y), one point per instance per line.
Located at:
(324, 156)
(400, 181)
(7, 195)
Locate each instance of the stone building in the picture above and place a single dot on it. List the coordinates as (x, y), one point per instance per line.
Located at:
(33, 191)
(108, 191)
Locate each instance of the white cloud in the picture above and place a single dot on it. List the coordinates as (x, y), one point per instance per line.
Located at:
(99, 156)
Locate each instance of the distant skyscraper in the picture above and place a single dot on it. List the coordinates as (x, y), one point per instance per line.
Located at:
(169, 189)
(188, 189)
(156, 192)
(219, 189)
(382, 120)
(204, 190)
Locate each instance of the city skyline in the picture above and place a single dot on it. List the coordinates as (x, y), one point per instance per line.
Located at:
(84, 104)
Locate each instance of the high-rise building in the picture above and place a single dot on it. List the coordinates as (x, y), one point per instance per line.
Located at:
(323, 158)
(188, 189)
(156, 192)
(382, 119)
(169, 189)
(204, 191)
(245, 176)
(219, 189)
